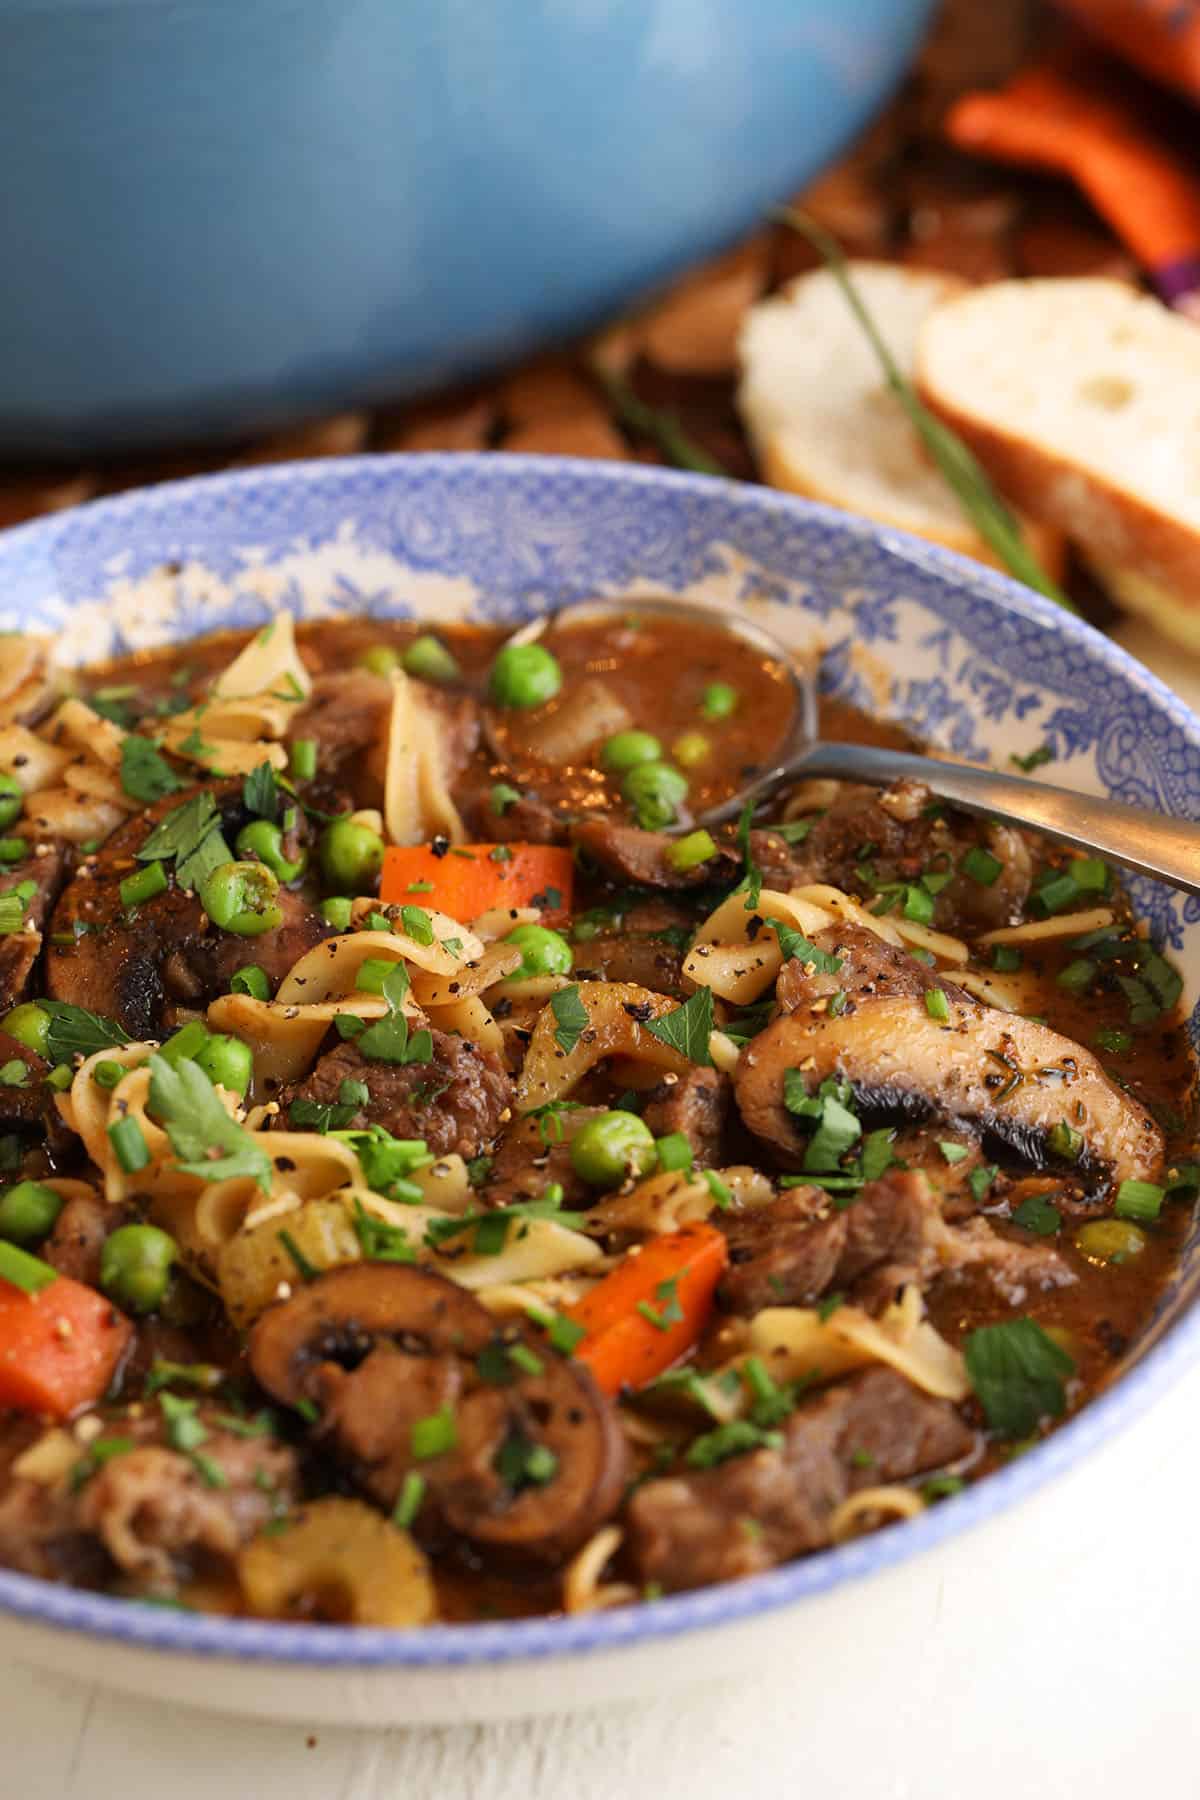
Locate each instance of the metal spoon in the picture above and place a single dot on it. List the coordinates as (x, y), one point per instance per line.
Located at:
(1148, 843)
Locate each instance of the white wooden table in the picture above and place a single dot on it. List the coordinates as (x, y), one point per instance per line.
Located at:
(1069, 1670)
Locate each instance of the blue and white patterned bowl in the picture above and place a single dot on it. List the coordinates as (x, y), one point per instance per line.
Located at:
(966, 657)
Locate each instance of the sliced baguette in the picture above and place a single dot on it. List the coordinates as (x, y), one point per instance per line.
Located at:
(1082, 400)
(822, 419)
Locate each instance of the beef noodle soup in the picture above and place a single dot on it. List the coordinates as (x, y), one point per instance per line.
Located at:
(441, 1181)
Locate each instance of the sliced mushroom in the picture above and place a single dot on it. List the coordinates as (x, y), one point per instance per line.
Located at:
(540, 1463)
(1009, 1076)
(534, 1457)
(133, 968)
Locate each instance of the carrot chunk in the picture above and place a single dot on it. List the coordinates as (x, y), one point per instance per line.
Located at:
(59, 1347)
(469, 879)
(651, 1308)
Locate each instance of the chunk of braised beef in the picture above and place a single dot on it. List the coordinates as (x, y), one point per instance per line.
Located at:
(696, 1104)
(797, 1248)
(759, 1510)
(153, 1514)
(75, 1245)
(456, 1102)
(531, 1155)
(345, 715)
(624, 853)
(201, 962)
(46, 867)
(870, 840)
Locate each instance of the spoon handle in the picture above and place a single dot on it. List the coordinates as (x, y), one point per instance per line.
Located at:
(1148, 843)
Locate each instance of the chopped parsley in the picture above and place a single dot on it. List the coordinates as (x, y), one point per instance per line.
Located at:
(1038, 1215)
(146, 775)
(260, 793)
(570, 1016)
(688, 1028)
(797, 948)
(191, 833)
(208, 1143)
(75, 1032)
(1018, 1373)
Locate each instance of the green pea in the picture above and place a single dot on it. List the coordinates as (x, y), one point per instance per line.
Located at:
(543, 952)
(655, 791)
(429, 660)
(263, 840)
(29, 1025)
(524, 675)
(607, 1151)
(719, 701)
(1109, 1240)
(242, 897)
(135, 1266)
(226, 1060)
(28, 1212)
(12, 799)
(351, 856)
(627, 749)
(692, 749)
(381, 659)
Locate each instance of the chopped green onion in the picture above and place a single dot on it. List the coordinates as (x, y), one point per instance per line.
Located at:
(14, 849)
(981, 865)
(502, 797)
(1078, 976)
(1090, 874)
(1006, 959)
(1114, 1040)
(29, 1273)
(525, 1359)
(918, 905)
(12, 914)
(412, 1493)
(1138, 1200)
(433, 1435)
(1063, 1140)
(129, 1145)
(936, 1005)
(689, 852)
(674, 1152)
(1056, 893)
(251, 980)
(60, 1077)
(304, 759)
(143, 885)
(336, 912)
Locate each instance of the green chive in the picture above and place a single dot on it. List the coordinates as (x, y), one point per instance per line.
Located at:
(1006, 958)
(936, 1005)
(1078, 976)
(143, 885)
(674, 1152)
(1056, 893)
(918, 905)
(336, 912)
(1090, 874)
(129, 1145)
(1065, 1141)
(306, 1270)
(409, 1504)
(1138, 1200)
(29, 1273)
(523, 1358)
(251, 980)
(980, 502)
(12, 914)
(689, 852)
(981, 865)
(60, 1077)
(433, 1435)
(304, 759)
